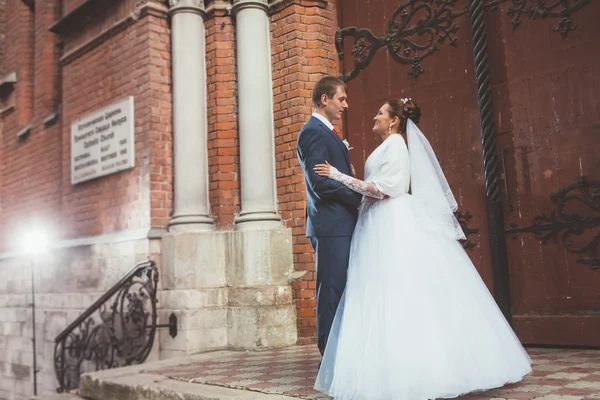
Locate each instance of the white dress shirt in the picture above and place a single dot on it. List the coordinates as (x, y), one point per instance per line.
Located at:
(323, 120)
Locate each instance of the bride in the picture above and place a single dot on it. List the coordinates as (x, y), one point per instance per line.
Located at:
(416, 321)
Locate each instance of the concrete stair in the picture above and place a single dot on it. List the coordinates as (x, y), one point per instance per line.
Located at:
(140, 386)
(182, 378)
(56, 396)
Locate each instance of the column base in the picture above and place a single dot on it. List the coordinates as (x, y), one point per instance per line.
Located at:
(261, 311)
(228, 290)
(261, 317)
(191, 223)
(194, 288)
(258, 220)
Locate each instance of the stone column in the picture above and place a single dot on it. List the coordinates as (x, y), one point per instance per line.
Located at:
(194, 255)
(255, 96)
(261, 311)
(191, 210)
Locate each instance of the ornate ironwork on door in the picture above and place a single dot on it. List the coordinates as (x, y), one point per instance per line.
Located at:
(409, 40)
(564, 226)
(542, 9)
(417, 29)
(464, 219)
(117, 330)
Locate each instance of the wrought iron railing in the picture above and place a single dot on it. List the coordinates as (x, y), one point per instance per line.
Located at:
(117, 330)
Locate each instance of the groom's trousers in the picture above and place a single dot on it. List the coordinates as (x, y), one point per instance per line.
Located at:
(332, 254)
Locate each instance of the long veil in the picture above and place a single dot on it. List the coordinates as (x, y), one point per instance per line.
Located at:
(430, 187)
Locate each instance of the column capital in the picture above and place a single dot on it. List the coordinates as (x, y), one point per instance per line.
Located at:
(187, 6)
(242, 4)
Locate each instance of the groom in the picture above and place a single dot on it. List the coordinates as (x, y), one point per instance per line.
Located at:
(331, 208)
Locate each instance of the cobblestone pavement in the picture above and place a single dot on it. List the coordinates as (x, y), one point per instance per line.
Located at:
(559, 374)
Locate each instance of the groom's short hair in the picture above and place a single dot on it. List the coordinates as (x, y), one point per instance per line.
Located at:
(327, 85)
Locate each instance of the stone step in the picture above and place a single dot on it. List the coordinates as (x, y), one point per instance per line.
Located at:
(56, 396)
(151, 387)
(145, 382)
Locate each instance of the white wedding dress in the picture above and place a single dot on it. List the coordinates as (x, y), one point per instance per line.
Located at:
(416, 321)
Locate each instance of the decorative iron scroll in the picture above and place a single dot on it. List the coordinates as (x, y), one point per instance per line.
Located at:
(415, 31)
(463, 220)
(418, 28)
(543, 9)
(117, 330)
(569, 226)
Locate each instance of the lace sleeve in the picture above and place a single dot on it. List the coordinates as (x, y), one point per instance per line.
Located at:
(362, 187)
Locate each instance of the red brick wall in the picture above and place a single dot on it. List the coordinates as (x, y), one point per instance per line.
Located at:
(47, 71)
(223, 140)
(134, 62)
(158, 125)
(2, 34)
(2, 62)
(29, 165)
(303, 50)
(22, 17)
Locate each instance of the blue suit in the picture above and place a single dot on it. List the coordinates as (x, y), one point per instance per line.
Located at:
(331, 214)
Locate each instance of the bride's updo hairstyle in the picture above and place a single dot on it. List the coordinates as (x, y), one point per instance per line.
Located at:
(404, 109)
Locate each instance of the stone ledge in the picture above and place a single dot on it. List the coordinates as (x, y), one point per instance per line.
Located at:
(8, 82)
(7, 110)
(147, 9)
(24, 132)
(107, 238)
(80, 16)
(50, 119)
